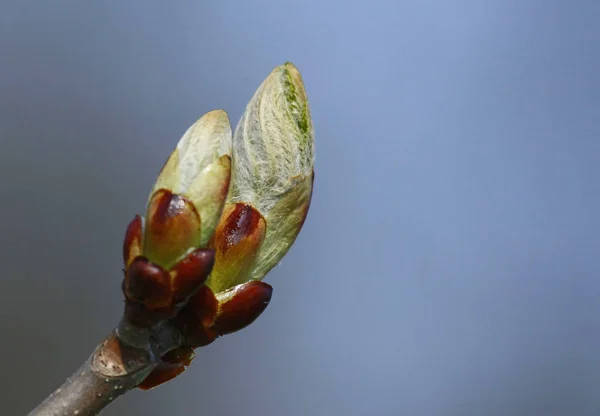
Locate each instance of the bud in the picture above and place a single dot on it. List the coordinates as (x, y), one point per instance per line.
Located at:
(272, 177)
(268, 199)
(206, 317)
(164, 259)
(198, 173)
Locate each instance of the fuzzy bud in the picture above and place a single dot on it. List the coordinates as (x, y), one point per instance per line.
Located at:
(272, 176)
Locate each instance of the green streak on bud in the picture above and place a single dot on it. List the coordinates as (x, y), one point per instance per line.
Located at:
(298, 105)
(274, 141)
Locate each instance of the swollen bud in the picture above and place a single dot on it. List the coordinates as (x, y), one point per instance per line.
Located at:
(199, 171)
(272, 175)
(228, 208)
(164, 253)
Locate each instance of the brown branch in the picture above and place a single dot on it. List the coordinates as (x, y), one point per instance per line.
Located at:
(119, 364)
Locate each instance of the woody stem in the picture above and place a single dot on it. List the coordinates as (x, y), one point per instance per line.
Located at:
(118, 364)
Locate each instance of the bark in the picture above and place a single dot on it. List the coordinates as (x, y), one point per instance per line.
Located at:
(118, 364)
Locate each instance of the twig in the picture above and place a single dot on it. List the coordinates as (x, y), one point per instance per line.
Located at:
(196, 219)
(119, 364)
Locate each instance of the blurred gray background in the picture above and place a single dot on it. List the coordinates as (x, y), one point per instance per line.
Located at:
(449, 263)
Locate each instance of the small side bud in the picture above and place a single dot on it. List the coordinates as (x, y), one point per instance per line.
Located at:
(207, 316)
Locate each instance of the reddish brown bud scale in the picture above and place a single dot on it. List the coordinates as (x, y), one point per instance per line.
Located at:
(196, 317)
(190, 273)
(172, 227)
(241, 305)
(237, 240)
(172, 364)
(132, 245)
(181, 355)
(138, 315)
(242, 221)
(162, 293)
(204, 305)
(148, 283)
(161, 374)
(204, 318)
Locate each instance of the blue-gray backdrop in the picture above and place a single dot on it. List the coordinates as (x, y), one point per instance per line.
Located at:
(449, 263)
